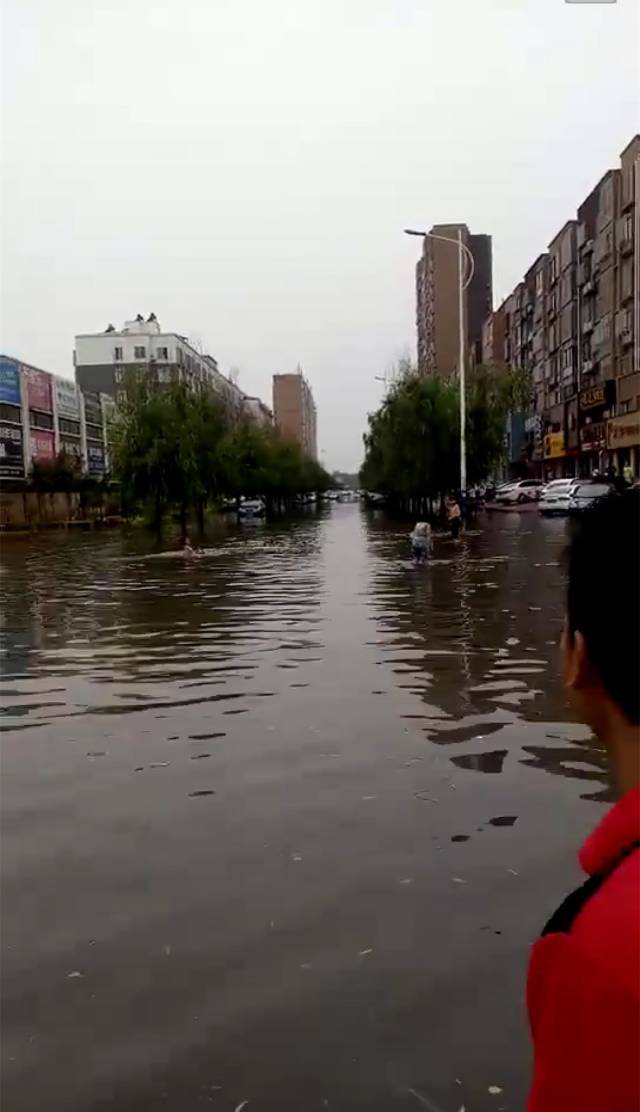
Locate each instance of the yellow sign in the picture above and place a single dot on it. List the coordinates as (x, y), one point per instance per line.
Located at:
(553, 445)
(592, 397)
(624, 432)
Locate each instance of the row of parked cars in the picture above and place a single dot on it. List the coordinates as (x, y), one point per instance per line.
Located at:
(560, 496)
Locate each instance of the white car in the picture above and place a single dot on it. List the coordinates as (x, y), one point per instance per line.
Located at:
(251, 507)
(525, 490)
(555, 497)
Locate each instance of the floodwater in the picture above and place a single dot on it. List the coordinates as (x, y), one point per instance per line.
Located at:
(279, 826)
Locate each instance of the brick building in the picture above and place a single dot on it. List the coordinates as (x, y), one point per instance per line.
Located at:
(294, 411)
(437, 301)
(574, 324)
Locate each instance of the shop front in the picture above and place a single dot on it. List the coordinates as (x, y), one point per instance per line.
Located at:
(553, 451)
(594, 405)
(623, 441)
(593, 448)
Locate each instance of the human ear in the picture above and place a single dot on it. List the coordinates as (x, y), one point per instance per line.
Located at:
(577, 673)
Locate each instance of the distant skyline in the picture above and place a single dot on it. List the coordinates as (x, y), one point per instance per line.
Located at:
(245, 170)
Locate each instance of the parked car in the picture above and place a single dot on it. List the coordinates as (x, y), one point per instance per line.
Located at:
(554, 498)
(586, 494)
(525, 490)
(251, 507)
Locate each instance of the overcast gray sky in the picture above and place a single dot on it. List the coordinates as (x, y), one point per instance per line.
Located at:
(244, 168)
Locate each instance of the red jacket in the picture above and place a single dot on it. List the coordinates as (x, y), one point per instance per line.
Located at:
(584, 980)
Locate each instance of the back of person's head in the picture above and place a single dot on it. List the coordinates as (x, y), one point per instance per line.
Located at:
(603, 600)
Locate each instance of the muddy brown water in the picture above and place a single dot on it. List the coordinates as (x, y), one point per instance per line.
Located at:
(279, 826)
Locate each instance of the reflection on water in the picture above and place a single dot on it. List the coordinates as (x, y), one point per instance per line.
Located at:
(259, 815)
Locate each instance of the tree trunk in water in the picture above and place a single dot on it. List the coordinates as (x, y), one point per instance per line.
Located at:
(157, 517)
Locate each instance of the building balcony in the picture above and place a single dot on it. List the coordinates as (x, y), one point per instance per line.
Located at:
(588, 366)
(625, 246)
(625, 336)
(589, 287)
(587, 327)
(588, 247)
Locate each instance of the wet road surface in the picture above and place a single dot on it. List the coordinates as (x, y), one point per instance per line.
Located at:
(280, 825)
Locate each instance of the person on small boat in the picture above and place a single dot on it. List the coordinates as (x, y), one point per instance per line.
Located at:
(421, 543)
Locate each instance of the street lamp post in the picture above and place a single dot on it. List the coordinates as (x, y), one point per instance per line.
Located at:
(463, 283)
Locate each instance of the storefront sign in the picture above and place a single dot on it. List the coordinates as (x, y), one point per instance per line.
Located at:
(42, 446)
(596, 397)
(9, 381)
(39, 393)
(553, 445)
(71, 447)
(624, 432)
(593, 437)
(67, 399)
(11, 457)
(95, 460)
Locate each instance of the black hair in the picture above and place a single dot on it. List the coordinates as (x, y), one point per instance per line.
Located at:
(603, 598)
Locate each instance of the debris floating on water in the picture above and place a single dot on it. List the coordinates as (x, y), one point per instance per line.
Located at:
(503, 820)
(495, 1090)
(296, 857)
(460, 837)
(160, 764)
(364, 953)
(239, 1107)
(458, 880)
(74, 973)
(204, 791)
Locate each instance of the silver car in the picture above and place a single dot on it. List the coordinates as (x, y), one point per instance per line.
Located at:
(524, 490)
(555, 497)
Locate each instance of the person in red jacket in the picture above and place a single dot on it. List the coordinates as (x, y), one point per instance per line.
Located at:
(584, 975)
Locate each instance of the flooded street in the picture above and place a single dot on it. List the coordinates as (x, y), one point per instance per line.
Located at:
(280, 825)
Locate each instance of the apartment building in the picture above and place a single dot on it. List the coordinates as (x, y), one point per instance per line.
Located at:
(295, 412)
(257, 412)
(574, 324)
(437, 300)
(104, 360)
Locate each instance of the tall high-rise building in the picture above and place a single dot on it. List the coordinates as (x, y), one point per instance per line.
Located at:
(437, 301)
(294, 411)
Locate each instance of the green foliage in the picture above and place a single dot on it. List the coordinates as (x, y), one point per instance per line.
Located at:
(177, 448)
(412, 444)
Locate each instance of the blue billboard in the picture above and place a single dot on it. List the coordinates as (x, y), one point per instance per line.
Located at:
(9, 381)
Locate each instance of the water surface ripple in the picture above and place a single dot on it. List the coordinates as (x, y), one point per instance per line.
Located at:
(280, 825)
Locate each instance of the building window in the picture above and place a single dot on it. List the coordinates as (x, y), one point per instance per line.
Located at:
(10, 413)
(118, 374)
(70, 427)
(121, 396)
(117, 354)
(162, 353)
(40, 420)
(139, 352)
